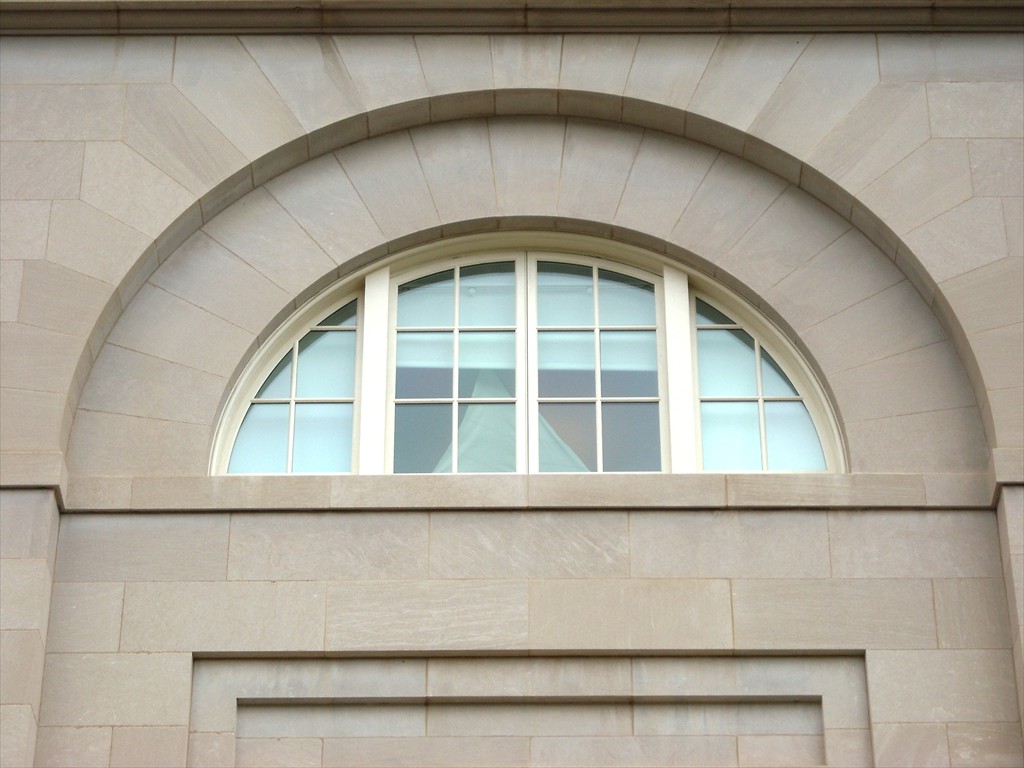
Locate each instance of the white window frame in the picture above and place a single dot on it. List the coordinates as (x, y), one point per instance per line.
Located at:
(675, 290)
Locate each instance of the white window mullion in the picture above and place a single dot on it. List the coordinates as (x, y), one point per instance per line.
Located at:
(679, 355)
(373, 374)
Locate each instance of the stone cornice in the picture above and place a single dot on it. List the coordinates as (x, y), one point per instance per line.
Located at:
(39, 17)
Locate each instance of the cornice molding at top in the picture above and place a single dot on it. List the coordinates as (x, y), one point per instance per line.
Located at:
(128, 17)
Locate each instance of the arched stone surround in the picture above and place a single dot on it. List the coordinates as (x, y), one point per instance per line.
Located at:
(253, 107)
(154, 394)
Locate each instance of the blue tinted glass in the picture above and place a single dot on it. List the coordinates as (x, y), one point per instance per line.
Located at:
(262, 442)
(487, 295)
(423, 438)
(565, 294)
(568, 437)
(346, 316)
(774, 383)
(629, 364)
(624, 300)
(731, 437)
(425, 363)
(631, 437)
(279, 382)
(428, 302)
(726, 363)
(323, 437)
(566, 363)
(793, 443)
(487, 437)
(487, 364)
(327, 364)
(708, 315)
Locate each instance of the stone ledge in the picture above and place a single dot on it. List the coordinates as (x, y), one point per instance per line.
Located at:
(523, 492)
(37, 17)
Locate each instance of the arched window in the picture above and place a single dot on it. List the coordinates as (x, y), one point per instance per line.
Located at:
(525, 361)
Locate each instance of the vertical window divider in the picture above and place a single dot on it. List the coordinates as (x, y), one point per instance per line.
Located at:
(456, 395)
(598, 393)
(761, 425)
(293, 392)
(373, 373)
(680, 369)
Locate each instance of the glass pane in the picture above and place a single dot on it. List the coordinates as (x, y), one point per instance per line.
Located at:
(624, 300)
(423, 438)
(345, 316)
(568, 437)
(279, 382)
(731, 437)
(487, 364)
(487, 438)
(629, 364)
(792, 440)
(726, 362)
(323, 438)
(487, 295)
(708, 315)
(428, 302)
(631, 437)
(774, 383)
(262, 441)
(565, 294)
(425, 363)
(566, 363)
(327, 364)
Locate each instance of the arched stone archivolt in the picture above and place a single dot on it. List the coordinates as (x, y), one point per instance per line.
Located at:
(158, 383)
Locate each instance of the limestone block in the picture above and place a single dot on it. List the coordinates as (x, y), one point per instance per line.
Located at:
(986, 297)
(984, 745)
(727, 719)
(459, 752)
(456, 162)
(898, 745)
(116, 445)
(21, 667)
(849, 746)
(55, 60)
(34, 422)
(28, 524)
(888, 124)
(913, 544)
(116, 689)
(732, 184)
(976, 110)
(455, 63)
(321, 198)
(997, 166)
(924, 379)
(941, 686)
(931, 180)
(220, 78)
(527, 156)
(387, 175)
(529, 545)
(219, 616)
(742, 75)
(307, 73)
(152, 747)
(85, 617)
(665, 175)
(386, 69)
(10, 290)
(793, 229)
(970, 236)
(120, 182)
(73, 747)
(729, 544)
(211, 750)
(25, 588)
(808, 101)
(422, 615)
(166, 128)
(89, 241)
(82, 298)
(40, 170)
(950, 57)
(230, 492)
(999, 354)
(145, 547)
(526, 61)
(328, 546)
(635, 614)
(823, 490)
(17, 735)
(864, 332)
(594, 64)
(958, 490)
(160, 324)
(566, 677)
(971, 613)
(294, 721)
(529, 719)
(638, 751)
(846, 272)
(62, 112)
(278, 753)
(429, 491)
(596, 162)
(25, 225)
(778, 751)
(667, 68)
(833, 613)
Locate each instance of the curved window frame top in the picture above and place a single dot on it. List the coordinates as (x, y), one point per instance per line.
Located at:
(677, 414)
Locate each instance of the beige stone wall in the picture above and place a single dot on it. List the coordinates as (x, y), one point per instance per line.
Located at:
(863, 191)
